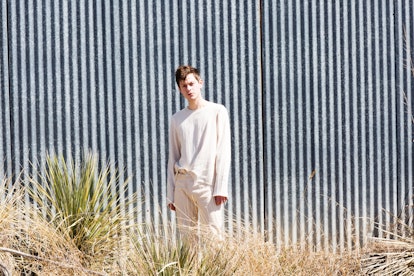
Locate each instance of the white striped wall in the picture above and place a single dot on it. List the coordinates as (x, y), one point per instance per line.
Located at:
(322, 140)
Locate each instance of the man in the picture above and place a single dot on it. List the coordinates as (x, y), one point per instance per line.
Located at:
(199, 157)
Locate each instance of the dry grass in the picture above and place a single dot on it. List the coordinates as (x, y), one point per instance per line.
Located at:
(34, 243)
(393, 255)
(293, 262)
(247, 254)
(30, 244)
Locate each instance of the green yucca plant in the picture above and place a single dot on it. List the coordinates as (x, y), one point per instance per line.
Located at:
(84, 202)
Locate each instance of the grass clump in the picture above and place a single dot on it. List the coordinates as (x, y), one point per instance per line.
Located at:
(29, 244)
(85, 203)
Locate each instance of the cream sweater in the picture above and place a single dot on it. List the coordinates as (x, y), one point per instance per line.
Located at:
(199, 144)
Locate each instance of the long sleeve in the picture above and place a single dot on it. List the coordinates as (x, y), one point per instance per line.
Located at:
(223, 154)
(174, 156)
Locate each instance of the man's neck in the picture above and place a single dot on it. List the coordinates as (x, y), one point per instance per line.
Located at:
(196, 104)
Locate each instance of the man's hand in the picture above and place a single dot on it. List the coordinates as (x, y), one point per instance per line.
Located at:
(171, 206)
(220, 199)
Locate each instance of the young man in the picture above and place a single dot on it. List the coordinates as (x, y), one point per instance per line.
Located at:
(199, 157)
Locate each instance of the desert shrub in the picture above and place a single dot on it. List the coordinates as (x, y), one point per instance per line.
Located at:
(84, 202)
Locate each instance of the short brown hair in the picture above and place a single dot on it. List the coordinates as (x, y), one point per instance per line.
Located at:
(184, 70)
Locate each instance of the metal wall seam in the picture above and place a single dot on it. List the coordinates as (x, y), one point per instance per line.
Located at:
(3, 77)
(332, 131)
(83, 77)
(142, 108)
(410, 102)
(135, 153)
(362, 106)
(257, 120)
(275, 202)
(5, 145)
(393, 96)
(347, 125)
(384, 111)
(300, 162)
(370, 110)
(65, 54)
(41, 83)
(11, 70)
(244, 70)
(156, 108)
(124, 114)
(106, 85)
(377, 110)
(49, 81)
(31, 91)
(100, 78)
(246, 195)
(255, 105)
(309, 165)
(228, 91)
(92, 79)
(234, 117)
(169, 86)
(159, 126)
(283, 114)
(58, 105)
(333, 113)
(354, 122)
(21, 105)
(143, 111)
(73, 96)
(314, 108)
(163, 118)
(324, 133)
(354, 146)
(399, 68)
(14, 38)
(268, 160)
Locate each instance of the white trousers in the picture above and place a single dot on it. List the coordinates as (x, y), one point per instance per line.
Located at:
(194, 203)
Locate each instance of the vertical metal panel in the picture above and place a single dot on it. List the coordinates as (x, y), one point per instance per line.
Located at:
(321, 131)
(405, 28)
(339, 65)
(360, 69)
(5, 143)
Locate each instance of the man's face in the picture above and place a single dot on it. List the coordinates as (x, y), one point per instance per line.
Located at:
(190, 88)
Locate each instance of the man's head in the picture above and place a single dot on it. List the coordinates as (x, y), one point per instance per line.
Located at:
(183, 71)
(189, 82)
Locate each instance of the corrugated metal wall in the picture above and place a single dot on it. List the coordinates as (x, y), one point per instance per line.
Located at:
(340, 142)
(322, 141)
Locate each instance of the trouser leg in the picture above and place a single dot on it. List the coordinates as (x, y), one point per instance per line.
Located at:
(210, 214)
(194, 202)
(185, 208)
